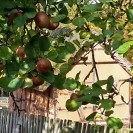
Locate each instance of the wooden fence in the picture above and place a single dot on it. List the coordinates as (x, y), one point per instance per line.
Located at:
(12, 122)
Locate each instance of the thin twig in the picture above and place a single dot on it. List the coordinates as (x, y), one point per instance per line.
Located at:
(94, 63)
(88, 75)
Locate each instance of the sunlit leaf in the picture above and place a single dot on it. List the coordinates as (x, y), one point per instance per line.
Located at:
(114, 123)
(14, 84)
(125, 47)
(5, 53)
(27, 83)
(26, 67)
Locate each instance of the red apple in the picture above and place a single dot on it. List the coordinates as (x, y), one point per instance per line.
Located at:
(42, 20)
(37, 81)
(43, 65)
(53, 25)
(1, 67)
(20, 52)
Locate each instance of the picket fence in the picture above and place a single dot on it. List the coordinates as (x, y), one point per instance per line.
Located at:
(12, 122)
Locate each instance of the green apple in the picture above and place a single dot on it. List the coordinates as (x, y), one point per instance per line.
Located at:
(72, 105)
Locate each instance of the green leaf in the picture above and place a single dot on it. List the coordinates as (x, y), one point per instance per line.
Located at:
(101, 82)
(110, 82)
(130, 14)
(64, 10)
(52, 55)
(77, 43)
(97, 90)
(4, 81)
(31, 13)
(26, 67)
(77, 77)
(59, 81)
(12, 67)
(108, 32)
(64, 69)
(5, 53)
(122, 98)
(107, 104)
(85, 90)
(132, 70)
(49, 77)
(116, 44)
(114, 123)
(11, 83)
(14, 84)
(7, 4)
(51, 10)
(70, 84)
(20, 21)
(109, 112)
(44, 43)
(71, 2)
(27, 83)
(59, 17)
(32, 48)
(66, 21)
(70, 47)
(88, 99)
(92, 7)
(117, 36)
(51, 1)
(105, 1)
(90, 16)
(79, 21)
(90, 42)
(63, 53)
(91, 117)
(57, 55)
(125, 47)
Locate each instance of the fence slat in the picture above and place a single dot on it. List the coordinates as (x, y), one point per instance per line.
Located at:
(12, 122)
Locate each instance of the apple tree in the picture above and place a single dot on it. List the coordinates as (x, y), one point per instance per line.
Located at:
(34, 52)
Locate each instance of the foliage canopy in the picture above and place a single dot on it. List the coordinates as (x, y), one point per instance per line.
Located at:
(105, 22)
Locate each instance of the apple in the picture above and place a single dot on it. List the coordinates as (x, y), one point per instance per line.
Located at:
(42, 20)
(20, 52)
(72, 105)
(37, 81)
(53, 25)
(43, 65)
(11, 18)
(74, 96)
(1, 67)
